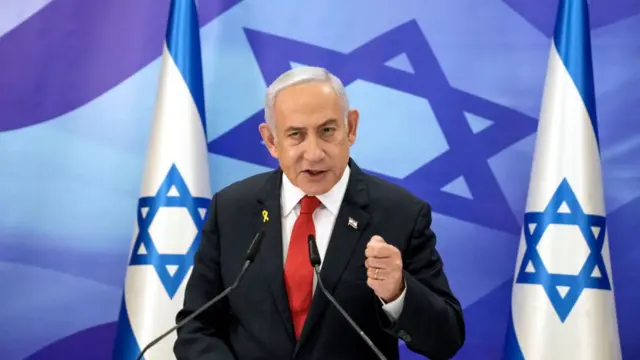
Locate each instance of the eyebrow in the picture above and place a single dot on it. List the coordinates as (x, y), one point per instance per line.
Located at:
(293, 128)
(298, 128)
(329, 122)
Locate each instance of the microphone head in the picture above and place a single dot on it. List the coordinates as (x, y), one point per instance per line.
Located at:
(255, 246)
(314, 254)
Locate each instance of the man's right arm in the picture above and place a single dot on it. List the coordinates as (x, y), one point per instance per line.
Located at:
(206, 335)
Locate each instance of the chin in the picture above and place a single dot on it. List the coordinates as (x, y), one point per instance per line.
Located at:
(316, 185)
(315, 189)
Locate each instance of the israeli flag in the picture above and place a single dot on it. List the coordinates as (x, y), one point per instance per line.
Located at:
(174, 199)
(562, 305)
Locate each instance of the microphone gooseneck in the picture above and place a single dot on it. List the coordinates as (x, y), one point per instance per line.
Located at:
(314, 257)
(251, 255)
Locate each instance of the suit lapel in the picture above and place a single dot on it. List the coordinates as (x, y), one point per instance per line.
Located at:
(271, 250)
(350, 224)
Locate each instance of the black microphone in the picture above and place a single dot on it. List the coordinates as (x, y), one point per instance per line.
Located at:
(314, 257)
(251, 255)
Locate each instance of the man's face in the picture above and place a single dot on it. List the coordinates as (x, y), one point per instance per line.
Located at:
(312, 139)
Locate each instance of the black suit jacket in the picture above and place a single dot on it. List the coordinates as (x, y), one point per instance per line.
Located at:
(254, 322)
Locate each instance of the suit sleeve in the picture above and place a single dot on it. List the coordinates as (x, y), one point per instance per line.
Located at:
(206, 335)
(431, 322)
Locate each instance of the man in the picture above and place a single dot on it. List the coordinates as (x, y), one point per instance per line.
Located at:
(378, 252)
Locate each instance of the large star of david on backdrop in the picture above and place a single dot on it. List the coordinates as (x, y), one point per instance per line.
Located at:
(172, 193)
(468, 152)
(592, 275)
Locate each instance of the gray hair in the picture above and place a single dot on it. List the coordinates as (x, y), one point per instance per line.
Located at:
(300, 75)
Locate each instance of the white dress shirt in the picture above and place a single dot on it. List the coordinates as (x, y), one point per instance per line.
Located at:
(324, 219)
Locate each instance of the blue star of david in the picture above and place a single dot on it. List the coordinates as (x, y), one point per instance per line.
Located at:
(147, 210)
(469, 152)
(549, 281)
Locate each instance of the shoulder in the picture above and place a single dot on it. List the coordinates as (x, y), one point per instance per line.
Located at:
(244, 190)
(396, 213)
(394, 198)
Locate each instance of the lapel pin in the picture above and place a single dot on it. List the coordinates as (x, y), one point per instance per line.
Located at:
(353, 223)
(265, 216)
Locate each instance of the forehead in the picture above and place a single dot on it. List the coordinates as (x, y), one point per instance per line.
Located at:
(316, 97)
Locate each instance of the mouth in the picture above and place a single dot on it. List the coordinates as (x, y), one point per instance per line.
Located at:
(314, 173)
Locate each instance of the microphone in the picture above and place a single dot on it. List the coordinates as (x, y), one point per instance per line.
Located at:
(251, 255)
(314, 257)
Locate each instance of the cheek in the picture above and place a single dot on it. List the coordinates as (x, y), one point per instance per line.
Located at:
(338, 149)
(293, 154)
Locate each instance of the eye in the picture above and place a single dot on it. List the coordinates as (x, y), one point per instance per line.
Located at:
(293, 134)
(328, 130)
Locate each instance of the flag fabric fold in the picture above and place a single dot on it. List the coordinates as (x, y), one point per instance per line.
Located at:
(174, 198)
(562, 304)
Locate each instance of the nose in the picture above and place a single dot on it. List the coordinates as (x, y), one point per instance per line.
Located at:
(313, 151)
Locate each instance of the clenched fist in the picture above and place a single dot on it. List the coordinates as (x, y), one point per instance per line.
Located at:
(384, 269)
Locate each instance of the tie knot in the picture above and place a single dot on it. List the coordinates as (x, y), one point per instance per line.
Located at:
(309, 204)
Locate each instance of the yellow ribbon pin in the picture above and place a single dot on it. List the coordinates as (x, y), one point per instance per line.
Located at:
(265, 216)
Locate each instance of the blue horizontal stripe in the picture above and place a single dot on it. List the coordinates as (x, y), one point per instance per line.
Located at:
(126, 346)
(512, 349)
(183, 42)
(573, 44)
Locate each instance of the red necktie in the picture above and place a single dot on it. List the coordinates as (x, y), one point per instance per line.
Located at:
(298, 273)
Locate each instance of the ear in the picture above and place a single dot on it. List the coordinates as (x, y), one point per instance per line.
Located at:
(352, 125)
(269, 139)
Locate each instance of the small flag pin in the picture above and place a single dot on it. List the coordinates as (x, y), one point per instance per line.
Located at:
(353, 223)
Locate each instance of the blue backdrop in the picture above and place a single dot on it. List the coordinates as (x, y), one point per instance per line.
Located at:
(449, 94)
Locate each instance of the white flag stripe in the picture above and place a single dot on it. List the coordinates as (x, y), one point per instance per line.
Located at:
(177, 130)
(151, 312)
(566, 139)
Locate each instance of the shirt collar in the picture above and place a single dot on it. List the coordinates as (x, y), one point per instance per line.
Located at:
(291, 195)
